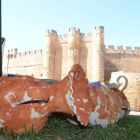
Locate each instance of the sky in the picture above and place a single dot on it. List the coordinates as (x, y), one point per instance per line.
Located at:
(24, 22)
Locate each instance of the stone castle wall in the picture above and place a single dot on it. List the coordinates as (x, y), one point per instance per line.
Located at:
(127, 60)
(73, 47)
(26, 63)
(31, 62)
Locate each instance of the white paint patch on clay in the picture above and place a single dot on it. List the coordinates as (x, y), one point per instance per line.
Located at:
(82, 109)
(85, 77)
(26, 97)
(1, 125)
(72, 74)
(97, 107)
(58, 110)
(122, 113)
(36, 114)
(94, 120)
(9, 94)
(119, 115)
(8, 114)
(68, 99)
(31, 87)
(51, 97)
(8, 98)
(78, 99)
(1, 121)
(38, 90)
(75, 75)
(42, 104)
(85, 100)
(93, 117)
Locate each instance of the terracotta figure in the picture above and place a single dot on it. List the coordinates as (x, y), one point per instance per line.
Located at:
(27, 101)
(20, 96)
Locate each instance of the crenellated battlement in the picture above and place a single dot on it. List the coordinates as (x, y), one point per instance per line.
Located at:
(13, 51)
(62, 39)
(52, 33)
(88, 38)
(98, 29)
(120, 49)
(75, 31)
(11, 54)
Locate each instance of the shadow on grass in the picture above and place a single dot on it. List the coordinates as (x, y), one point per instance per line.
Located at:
(58, 128)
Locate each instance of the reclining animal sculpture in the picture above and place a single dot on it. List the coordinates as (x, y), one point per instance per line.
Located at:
(28, 101)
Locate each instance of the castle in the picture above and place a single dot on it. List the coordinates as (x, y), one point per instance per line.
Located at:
(60, 53)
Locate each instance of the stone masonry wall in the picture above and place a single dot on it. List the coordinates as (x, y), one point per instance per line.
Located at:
(31, 62)
(25, 63)
(121, 60)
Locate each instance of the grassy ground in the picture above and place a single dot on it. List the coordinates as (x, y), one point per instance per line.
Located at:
(60, 129)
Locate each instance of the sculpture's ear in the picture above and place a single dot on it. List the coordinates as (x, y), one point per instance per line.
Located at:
(79, 96)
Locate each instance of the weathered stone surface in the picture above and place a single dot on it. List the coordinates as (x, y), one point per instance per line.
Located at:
(70, 96)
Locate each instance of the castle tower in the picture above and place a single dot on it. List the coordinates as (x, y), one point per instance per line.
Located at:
(49, 49)
(98, 54)
(73, 46)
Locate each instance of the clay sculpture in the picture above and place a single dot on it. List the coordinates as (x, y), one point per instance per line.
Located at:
(28, 101)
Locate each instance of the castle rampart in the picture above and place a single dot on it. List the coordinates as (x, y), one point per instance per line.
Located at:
(120, 59)
(74, 47)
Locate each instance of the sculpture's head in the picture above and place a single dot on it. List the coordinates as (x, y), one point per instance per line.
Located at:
(78, 96)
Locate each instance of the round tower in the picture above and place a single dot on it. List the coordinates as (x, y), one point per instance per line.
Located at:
(48, 65)
(98, 54)
(73, 46)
